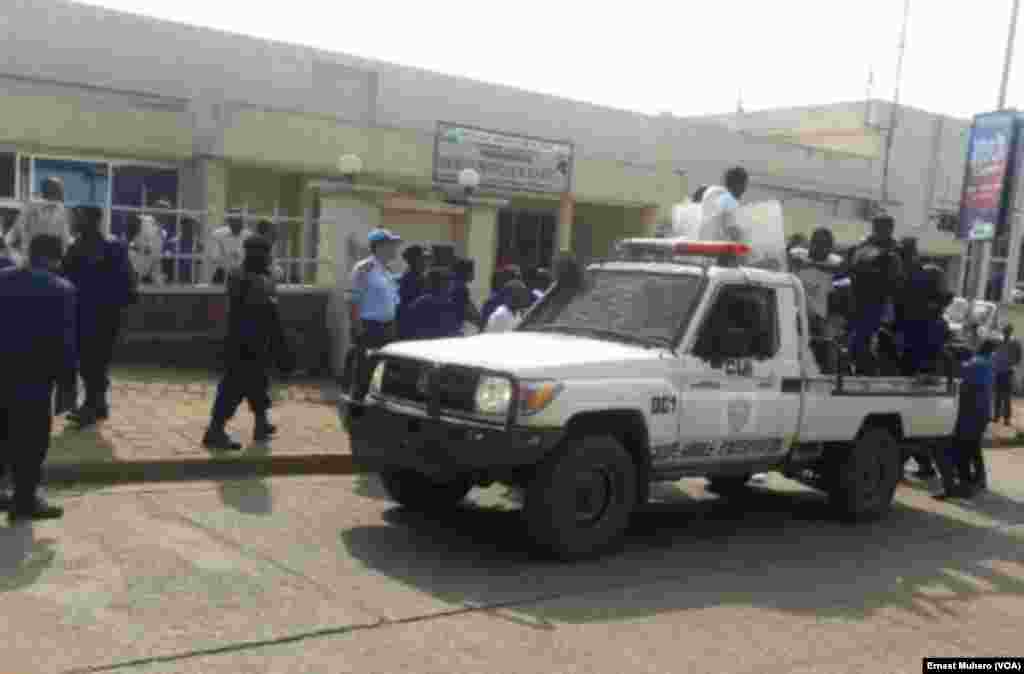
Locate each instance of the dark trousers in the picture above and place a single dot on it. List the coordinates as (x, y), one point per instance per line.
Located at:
(95, 353)
(25, 427)
(1003, 396)
(242, 381)
(866, 322)
(374, 335)
(962, 462)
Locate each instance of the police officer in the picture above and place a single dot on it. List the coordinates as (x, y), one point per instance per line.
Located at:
(374, 304)
(254, 342)
(412, 284)
(102, 273)
(435, 314)
(877, 273)
(33, 358)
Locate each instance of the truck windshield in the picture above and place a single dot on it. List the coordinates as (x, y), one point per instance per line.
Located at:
(629, 306)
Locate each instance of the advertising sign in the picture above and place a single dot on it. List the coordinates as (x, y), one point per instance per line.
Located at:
(505, 162)
(990, 152)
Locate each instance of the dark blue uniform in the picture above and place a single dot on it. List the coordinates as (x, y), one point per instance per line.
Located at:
(102, 274)
(497, 298)
(254, 343)
(433, 317)
(34, 355)
(964, 458)
(410, 289)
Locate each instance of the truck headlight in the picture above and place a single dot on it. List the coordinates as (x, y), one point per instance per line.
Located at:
(377, 378)
(493, 396)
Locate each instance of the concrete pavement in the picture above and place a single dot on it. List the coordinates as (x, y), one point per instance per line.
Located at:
(321, 574)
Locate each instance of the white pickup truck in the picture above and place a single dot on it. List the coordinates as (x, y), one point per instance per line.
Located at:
(672, 361)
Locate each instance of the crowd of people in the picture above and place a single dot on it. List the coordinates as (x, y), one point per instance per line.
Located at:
(429, 300)
(67, 282)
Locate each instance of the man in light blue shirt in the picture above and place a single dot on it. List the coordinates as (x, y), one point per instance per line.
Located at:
(375, 299)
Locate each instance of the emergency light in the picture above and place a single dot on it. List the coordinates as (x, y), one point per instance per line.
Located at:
(721, 251)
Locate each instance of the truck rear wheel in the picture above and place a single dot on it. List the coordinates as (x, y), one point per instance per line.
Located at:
(865, 480)
(418, 492)
(580, 500)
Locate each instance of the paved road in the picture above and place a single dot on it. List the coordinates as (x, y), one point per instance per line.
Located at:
(319, 575)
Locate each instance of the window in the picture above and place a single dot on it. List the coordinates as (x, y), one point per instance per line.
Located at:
(620, 305)
(526, 239)
(742, 323)
(8, 175)
(85, 182)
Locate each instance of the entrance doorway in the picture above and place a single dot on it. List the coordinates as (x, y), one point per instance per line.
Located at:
(526, 238)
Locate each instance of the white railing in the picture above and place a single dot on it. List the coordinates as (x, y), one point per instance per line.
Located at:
(184, 258)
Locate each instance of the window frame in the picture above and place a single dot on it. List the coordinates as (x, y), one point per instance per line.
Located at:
(713, 304)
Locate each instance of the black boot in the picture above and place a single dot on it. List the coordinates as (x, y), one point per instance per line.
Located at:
(264, 430)
(216, 438)
(37, 509)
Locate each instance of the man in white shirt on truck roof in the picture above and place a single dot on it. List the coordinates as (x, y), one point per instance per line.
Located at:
(719, 206)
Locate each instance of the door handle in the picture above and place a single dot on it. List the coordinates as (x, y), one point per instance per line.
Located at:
(707, 385)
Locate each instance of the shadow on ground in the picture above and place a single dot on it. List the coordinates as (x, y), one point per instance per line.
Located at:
(779, 550)
(250, 495)
(23, 557)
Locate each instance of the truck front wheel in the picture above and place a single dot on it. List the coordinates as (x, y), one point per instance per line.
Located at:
(418, 492)
(865, 480)
(581, 497)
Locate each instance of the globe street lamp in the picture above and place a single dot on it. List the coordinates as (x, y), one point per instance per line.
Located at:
(469, 180)
(350, 165)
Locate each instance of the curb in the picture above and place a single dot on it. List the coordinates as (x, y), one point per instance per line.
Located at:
(186, 470)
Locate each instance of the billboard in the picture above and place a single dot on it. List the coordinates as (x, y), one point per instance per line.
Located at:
(990, 153)
(505, 162)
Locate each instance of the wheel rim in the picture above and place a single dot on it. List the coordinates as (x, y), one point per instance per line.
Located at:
(594, 492)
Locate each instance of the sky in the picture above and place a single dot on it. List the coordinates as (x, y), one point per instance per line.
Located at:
(686, 58)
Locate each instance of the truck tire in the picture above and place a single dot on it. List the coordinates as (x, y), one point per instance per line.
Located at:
(865, 480)
(418, 492)
(728, 484)
(580, 500)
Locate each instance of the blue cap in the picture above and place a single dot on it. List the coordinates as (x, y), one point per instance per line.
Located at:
(378, 234)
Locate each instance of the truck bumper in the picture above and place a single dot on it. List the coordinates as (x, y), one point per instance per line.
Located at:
(385, 439)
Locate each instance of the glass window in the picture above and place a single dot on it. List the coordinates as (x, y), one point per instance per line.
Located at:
(744, 320)
(85, 182)
(620, 305)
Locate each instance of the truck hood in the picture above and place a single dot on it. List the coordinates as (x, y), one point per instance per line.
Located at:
(527, 353)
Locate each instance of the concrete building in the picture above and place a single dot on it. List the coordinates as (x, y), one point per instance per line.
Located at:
(131, 110)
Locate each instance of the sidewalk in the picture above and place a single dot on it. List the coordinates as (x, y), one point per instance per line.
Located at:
(158, 416)
(155, 432)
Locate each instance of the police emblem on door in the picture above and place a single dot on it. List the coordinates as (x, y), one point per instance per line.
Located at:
(739, 412)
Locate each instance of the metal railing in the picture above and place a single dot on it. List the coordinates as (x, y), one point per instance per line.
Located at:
(185, 236)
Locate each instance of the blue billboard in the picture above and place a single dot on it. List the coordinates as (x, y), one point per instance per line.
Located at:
(991, 151)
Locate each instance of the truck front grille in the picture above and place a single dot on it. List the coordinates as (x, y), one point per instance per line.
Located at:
(406, 381)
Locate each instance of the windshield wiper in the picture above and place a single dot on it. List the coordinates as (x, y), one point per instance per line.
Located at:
(604, 332)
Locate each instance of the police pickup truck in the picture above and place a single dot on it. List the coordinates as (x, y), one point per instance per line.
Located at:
(670, 360)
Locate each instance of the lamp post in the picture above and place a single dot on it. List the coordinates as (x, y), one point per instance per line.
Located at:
(1010, 270)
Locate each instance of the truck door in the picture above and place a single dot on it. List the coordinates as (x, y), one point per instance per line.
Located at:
(732, 389)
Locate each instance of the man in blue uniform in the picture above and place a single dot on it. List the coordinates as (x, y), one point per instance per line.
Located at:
(462, 298)
(374, 306)
(102, 273)
(877, 272)
(411, 285)
(254, 343)
(33, 358)
(498, 297)
(963, 465)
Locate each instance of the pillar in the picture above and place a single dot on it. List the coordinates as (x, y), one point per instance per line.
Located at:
(345, 221)
(214, 178)
(482, 247)
(649, 220)
(566, 212)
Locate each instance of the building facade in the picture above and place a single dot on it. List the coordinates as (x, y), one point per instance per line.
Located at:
(139, 115)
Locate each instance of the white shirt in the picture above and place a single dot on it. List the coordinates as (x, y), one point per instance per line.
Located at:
(503, 319)
(145, 249)
(718, 217)
(226, 250)
(47, 217)
(817, 280)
